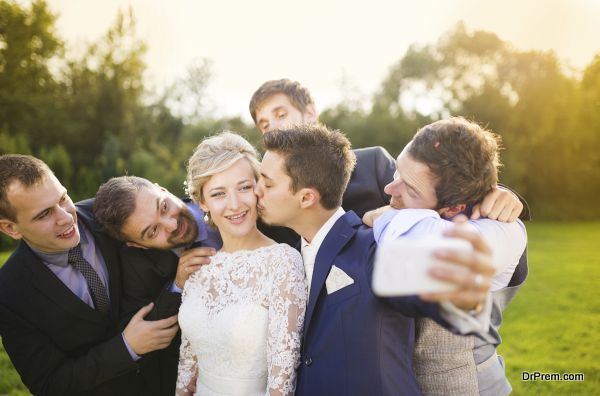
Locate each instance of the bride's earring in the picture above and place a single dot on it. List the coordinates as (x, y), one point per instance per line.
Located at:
(207, 217)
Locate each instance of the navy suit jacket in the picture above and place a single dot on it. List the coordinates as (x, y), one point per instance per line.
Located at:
(356, 343)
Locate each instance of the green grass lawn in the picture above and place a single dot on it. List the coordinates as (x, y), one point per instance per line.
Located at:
(553, 324)
(551, 327)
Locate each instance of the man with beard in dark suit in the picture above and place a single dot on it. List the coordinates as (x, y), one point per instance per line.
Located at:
(166, 240)
(60, 292)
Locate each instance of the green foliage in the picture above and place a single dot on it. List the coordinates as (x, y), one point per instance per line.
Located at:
(93, 118)
(28, 89)
(549, 121)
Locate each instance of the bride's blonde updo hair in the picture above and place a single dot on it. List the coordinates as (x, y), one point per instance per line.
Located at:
(214, 155)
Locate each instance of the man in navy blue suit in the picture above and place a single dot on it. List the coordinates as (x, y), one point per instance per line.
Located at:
(282, 103)
(354, 343)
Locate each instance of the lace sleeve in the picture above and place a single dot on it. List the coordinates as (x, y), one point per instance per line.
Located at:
(187, 370)
(287, 304)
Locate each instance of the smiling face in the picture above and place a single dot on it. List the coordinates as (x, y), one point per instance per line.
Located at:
(45, 215)
(277, 111)
(276, 201)
(413, 185)
(160, 220)
(229, 197)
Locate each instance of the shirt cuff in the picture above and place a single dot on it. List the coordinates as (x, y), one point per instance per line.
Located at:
(133, 355)
(464, 322)
(175, 289)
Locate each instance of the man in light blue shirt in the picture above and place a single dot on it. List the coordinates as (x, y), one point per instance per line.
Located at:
(446, 170)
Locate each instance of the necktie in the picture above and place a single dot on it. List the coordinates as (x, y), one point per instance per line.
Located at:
(95, 285)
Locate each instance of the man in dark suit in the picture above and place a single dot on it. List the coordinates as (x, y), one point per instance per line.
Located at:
(166, 241)
(60, 292)
(354, 342)
(280, 103)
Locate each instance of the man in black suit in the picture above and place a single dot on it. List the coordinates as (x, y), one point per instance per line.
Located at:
(60, 292)
(166, 241)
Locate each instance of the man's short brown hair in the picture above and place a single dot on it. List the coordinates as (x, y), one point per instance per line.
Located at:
(315, 157)
(463, 156)
(115, 202)
(298, 95)
(25, 169)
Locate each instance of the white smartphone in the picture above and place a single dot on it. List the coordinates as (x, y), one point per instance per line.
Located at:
(402, 265)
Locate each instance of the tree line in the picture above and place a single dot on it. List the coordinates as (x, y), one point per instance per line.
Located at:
(93, 116)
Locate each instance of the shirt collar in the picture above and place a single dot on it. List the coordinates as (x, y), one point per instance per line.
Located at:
(324, 230)
(61, 259)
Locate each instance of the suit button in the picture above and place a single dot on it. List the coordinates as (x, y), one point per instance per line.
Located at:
(308, 361)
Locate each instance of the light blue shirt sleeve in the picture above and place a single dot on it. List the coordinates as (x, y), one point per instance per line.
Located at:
(175, 289)
(507, 241)
(133, 355)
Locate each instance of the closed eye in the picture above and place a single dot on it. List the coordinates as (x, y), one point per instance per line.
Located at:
(412, 192)
(43, 215)
(153, 232)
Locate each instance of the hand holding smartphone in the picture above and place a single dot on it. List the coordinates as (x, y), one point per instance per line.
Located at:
(402, 265)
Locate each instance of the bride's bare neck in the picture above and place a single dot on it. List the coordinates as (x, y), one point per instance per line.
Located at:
(252, 240)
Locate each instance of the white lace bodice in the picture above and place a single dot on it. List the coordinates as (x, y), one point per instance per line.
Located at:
(241, 319)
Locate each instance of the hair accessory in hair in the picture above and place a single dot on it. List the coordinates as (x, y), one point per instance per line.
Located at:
(437, 145)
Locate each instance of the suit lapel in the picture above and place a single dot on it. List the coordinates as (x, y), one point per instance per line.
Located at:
(48, 284)
(339, 235)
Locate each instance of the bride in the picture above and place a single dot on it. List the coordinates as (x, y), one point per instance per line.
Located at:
(241, 316)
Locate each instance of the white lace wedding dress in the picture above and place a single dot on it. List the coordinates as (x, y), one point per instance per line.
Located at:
(241, 320)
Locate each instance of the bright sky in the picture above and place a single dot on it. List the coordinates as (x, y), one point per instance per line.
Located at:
(321, 42)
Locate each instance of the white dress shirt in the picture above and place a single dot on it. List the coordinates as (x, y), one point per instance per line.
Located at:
(309, 250)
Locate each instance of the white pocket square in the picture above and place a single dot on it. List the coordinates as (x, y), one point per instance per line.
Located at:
(337, 279)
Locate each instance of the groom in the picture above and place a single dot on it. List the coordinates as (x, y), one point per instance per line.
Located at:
(354, 342)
